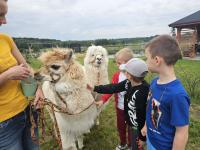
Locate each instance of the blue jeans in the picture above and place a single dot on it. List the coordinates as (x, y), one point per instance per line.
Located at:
(149, 145)
(15, 132)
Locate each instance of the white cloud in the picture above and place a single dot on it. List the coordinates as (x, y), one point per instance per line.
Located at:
(92, 19)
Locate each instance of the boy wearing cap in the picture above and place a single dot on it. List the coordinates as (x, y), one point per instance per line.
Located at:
(121, 58)
(136, 92)
(167, 118)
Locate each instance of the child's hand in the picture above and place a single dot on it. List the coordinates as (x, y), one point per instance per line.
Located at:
(39, 96)
(140, 144)
(144, 130)
(90, 88)
(99, 103)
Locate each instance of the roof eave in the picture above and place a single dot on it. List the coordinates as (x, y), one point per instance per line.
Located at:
(174, 25)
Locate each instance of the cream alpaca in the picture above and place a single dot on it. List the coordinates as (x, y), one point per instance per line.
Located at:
(70, 83)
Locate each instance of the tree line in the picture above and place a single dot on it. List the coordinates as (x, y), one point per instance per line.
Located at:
(37, 44)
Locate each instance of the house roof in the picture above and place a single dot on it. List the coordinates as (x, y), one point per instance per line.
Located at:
(191, 20)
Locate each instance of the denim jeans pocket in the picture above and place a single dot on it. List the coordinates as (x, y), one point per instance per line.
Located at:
(5, 123)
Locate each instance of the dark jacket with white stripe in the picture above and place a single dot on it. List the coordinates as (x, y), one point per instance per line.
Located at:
(134, 101)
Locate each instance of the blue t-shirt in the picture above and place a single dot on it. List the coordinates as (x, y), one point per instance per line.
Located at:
(167, 108)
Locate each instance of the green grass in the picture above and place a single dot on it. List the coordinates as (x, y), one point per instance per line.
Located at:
(35, 64)
(104, 136)
(189, 73)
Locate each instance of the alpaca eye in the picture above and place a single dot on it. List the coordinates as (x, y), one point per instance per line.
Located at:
(55, 67)
(92, 55)
(102, 55)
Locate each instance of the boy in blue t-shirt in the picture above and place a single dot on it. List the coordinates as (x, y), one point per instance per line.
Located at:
(167, 118)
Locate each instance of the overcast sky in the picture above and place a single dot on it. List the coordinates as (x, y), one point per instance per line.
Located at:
(94, 19)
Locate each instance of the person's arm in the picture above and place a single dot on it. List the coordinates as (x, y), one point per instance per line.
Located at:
(140, 101)
(18, 56)
(144, 129)
(14, 73)
(181, 137)
(180, 109)
(5, 76)
(18, 72)
(115, 79)
(110, 88)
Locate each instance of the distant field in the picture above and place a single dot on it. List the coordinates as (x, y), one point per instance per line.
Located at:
(112, 49)
(137, 48)
(104, 136)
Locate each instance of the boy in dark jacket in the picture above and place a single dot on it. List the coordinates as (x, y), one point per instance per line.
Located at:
(136, 89)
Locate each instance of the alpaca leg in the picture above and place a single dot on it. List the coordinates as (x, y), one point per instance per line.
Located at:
(68, 141)
(71, 148)
(68, 145)
(80, 142)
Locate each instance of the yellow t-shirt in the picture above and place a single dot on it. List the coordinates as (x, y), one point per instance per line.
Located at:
(12, 100)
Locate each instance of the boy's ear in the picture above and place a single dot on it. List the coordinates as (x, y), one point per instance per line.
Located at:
(158, 60)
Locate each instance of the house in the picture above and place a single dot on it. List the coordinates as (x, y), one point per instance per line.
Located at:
(188, 34)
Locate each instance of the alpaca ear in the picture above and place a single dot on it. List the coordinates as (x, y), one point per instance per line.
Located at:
(68, 56)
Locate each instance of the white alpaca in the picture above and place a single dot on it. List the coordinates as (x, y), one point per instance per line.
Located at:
(66, 77)
(96, 68)
(96, 65)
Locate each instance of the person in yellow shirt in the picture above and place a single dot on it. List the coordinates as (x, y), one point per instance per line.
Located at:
(14, 111)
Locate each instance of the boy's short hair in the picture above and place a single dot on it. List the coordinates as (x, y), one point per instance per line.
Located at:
(126, 53)
(166, 47)
(138, 79)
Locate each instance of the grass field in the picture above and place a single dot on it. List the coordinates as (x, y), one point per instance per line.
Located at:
(104, 136)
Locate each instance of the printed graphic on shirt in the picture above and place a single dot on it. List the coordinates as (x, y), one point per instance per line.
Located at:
(132, 110)
(155, 113)
(126, 84)
(149, 95)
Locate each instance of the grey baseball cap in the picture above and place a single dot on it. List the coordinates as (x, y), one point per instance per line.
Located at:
(136, 67)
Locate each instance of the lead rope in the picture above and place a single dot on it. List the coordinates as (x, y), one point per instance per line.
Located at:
(98, 82)
(56, 128)
(98, 78)
(33, 124)
(42, 121)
